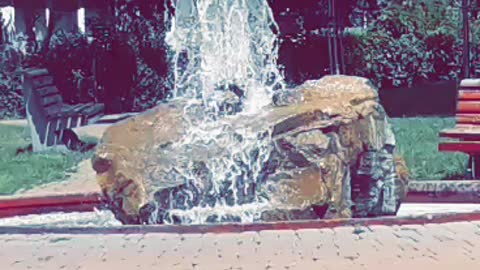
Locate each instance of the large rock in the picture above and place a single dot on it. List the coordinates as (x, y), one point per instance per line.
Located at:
(331, 154)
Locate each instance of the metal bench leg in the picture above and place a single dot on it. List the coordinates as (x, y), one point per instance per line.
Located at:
(473, 169)
(469, 174)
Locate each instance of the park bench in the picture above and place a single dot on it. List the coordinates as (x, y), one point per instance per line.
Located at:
(48, 116)
(465, 137)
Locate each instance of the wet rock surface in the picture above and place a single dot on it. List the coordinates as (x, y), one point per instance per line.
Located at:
(331, 154)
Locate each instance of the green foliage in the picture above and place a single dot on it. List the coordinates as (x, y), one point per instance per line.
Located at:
(11, 98)
(69, 58)
(144, 24)
(410, 41)
(417, 142)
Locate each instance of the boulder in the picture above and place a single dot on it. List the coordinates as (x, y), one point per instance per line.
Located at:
(325, 150)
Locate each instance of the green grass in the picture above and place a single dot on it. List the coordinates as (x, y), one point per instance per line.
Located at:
(28, 170)
(417, 141)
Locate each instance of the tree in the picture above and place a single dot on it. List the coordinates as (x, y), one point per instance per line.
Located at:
(409, 41)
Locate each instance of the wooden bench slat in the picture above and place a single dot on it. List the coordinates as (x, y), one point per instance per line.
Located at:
(469, 88)
(470, 82)
(93, 110)
(55, 111)
(80, 107)
(468, 106)
(468, 119)
(51, 100)
(59, 110)
(465, 147)
(47, 90)
(42, 81)
(469, 95)
(88, 110)
(35, 72)
(459, 133)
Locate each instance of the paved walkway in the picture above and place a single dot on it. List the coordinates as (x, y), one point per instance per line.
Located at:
(445, 246)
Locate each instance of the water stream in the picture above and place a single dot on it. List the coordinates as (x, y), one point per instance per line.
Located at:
(225, 64)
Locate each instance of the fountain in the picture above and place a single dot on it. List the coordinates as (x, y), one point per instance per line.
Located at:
(232, 144)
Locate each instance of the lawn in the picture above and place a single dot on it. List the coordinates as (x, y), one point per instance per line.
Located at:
(417, 142)
(28, 170)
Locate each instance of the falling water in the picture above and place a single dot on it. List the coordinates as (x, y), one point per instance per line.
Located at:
(219, 46)
(8, 22)
(220, 43)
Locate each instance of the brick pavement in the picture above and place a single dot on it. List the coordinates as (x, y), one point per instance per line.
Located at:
(443, 246)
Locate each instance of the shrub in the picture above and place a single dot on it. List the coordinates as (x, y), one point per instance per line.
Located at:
(410, 41)
(11, 98)
(69, 59)
(144, 24)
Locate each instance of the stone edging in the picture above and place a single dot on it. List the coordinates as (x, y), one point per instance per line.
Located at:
(240, 228)
(419, 192)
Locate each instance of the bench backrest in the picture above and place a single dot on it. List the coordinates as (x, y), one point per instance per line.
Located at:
(468, 103)
(43, 102)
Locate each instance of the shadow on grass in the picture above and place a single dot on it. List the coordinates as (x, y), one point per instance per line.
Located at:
(417, 141)
(29, 170)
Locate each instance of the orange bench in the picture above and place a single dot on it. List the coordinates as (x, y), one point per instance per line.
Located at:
(465, 137)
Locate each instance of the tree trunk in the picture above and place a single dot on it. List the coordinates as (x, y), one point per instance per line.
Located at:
(466, 39)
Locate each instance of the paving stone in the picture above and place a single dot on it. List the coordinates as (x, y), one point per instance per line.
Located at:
(276, 249)
(385, 243)
(210, 253)
(332, 254)
(311, 240)
(191, 249)
(346, 243)
(466, 237)
(227, 249)
(246, 250)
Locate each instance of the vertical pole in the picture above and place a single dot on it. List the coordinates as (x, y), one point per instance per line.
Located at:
(466, 39)
(341, 29)
(329, 37)
(335, 38)
(1, 29)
